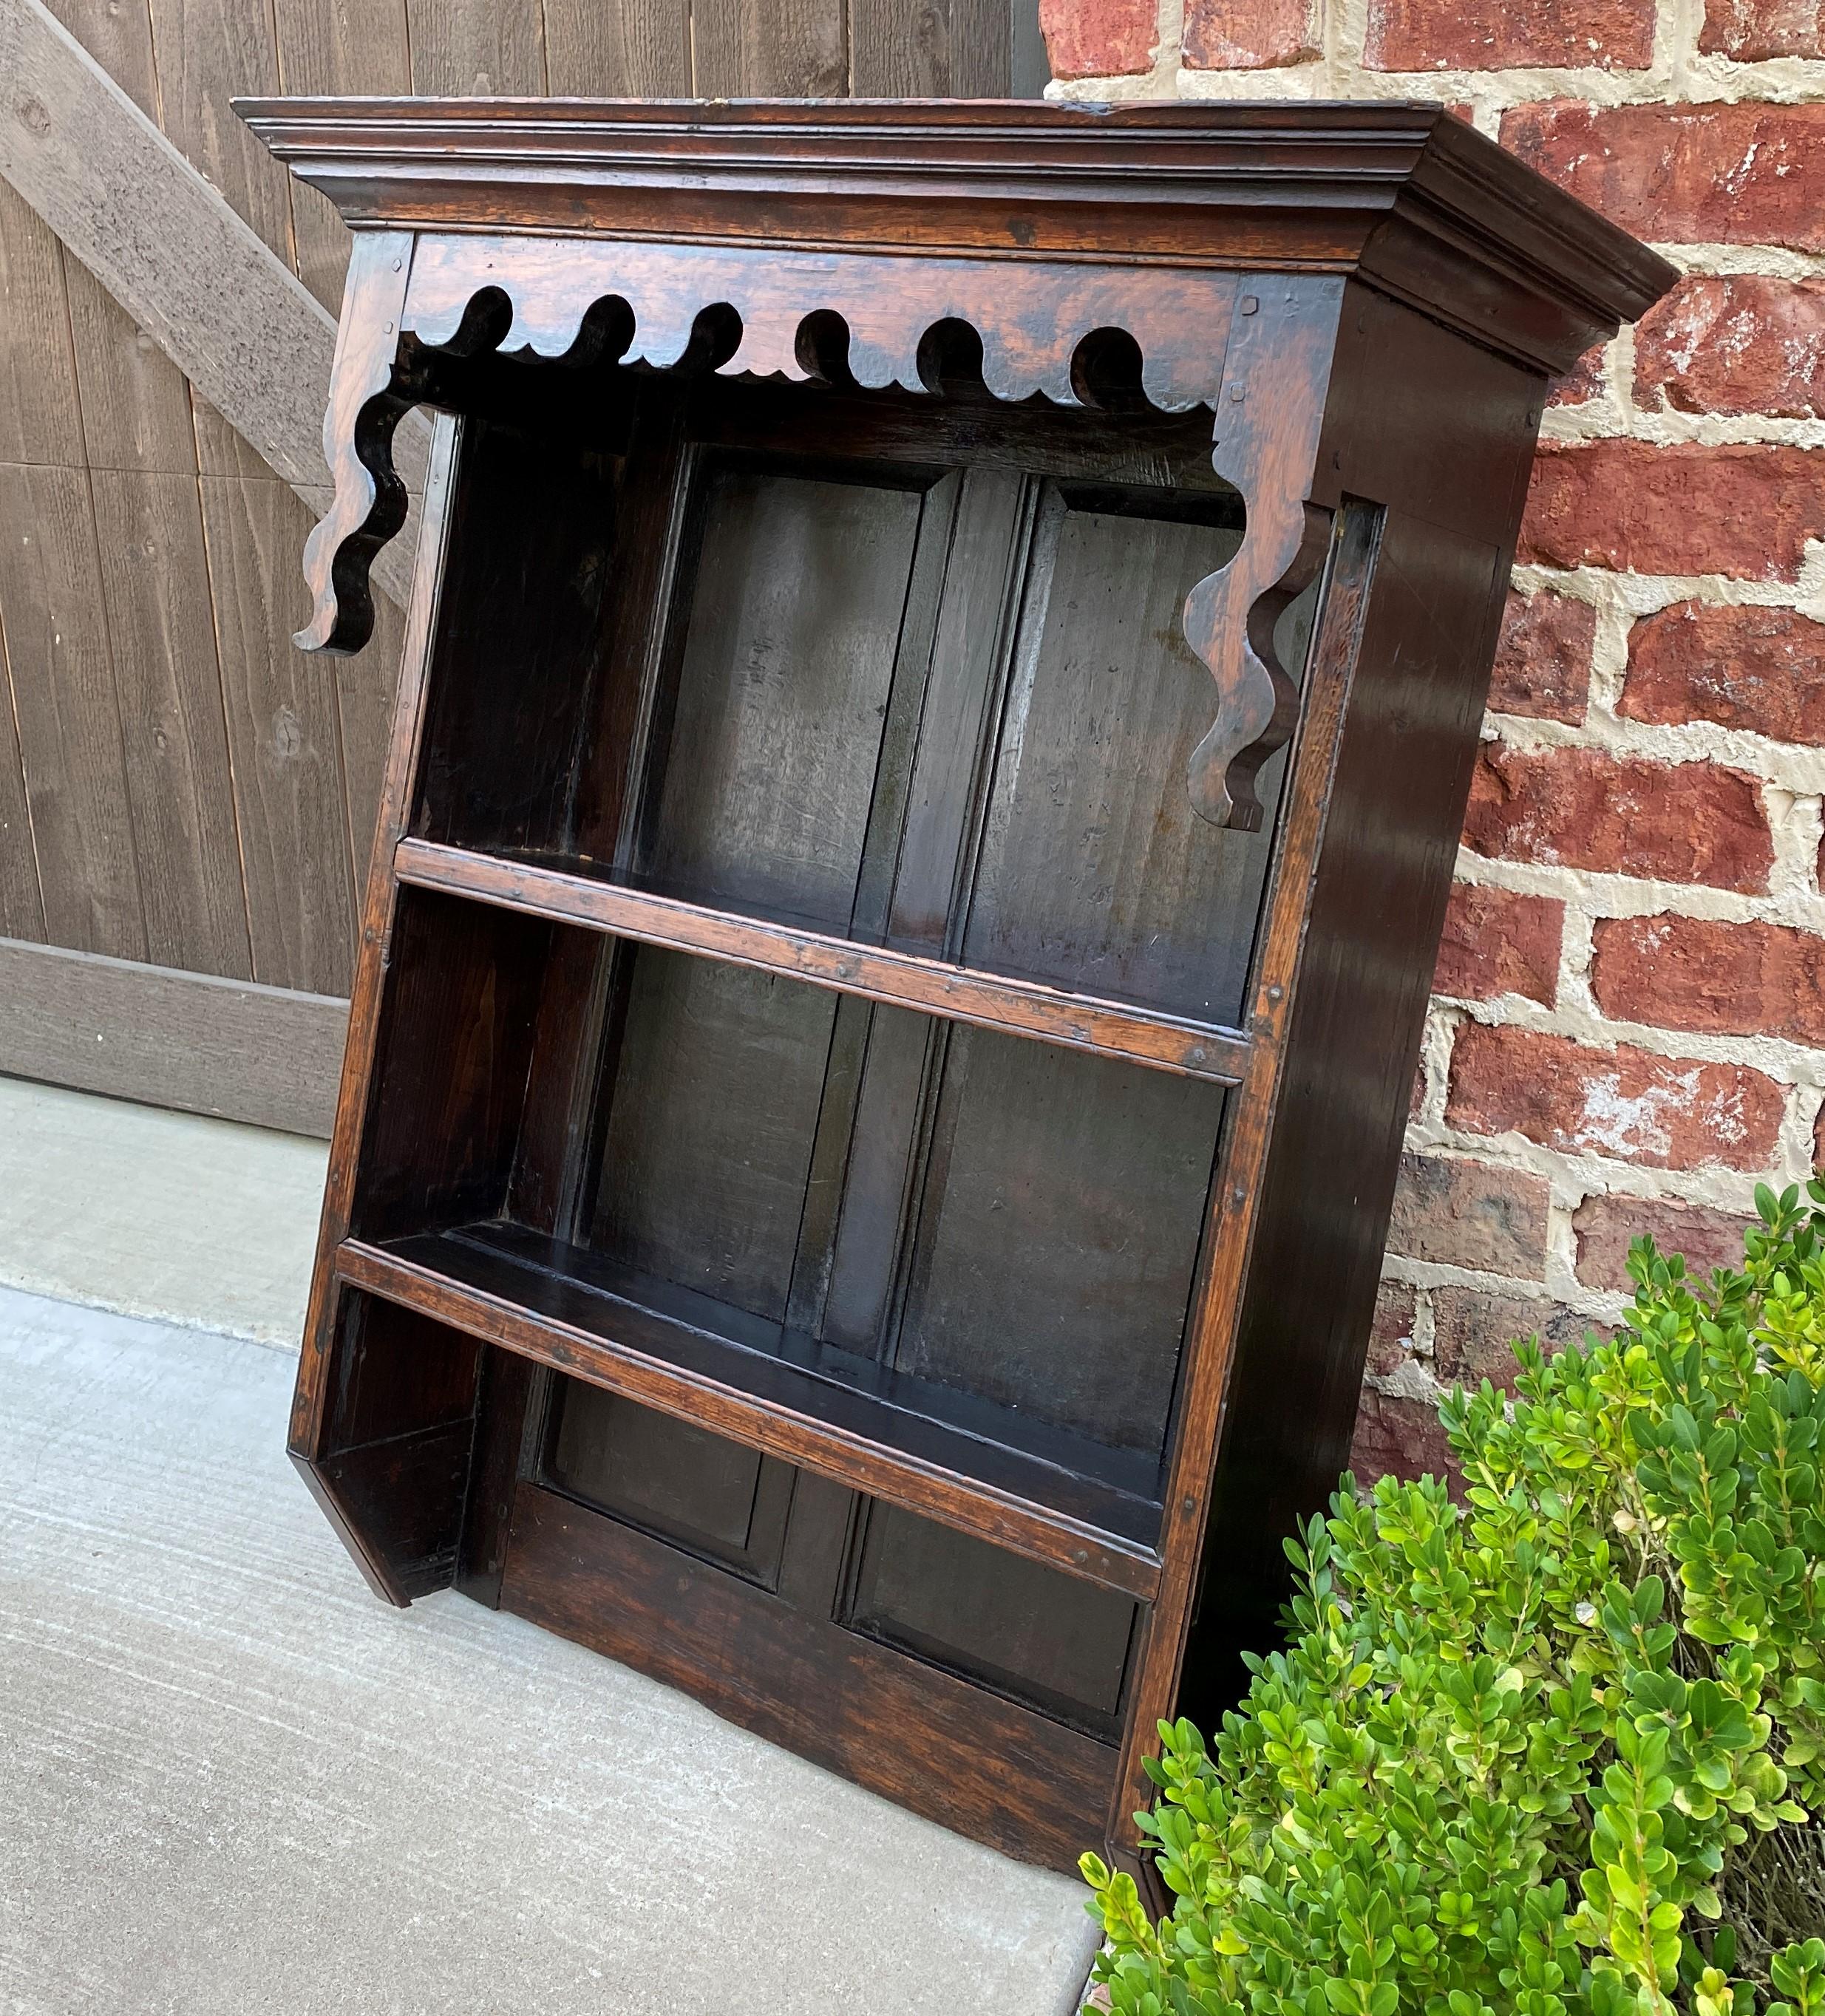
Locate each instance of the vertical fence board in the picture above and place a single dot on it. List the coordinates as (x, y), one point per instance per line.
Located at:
(22, 910)
(68, 719)
(284, 739)
(638, 48)
(477, 48)
(209, 52)
(136, 403)
(156, 582)
(771, 48)
(328, 48)
(940, 49)
(40, 418)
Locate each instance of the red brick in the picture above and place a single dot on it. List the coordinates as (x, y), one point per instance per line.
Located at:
(1744, 344)
(1465, 1214)
(1099, 37)
(1578, 807)
(1607, 1226)
(1416, 1096)
(1583, 381)
(1500, 34)
(1759, 669)
(1754, 30)
(1390, 1336)
(1496, 942)
(1543, 661)
(1693, 973)
(1665, 1113)
(1818, 1141)
(1708, 175)
(1473, 1333)
(1248, 35)
(1398, 1437)
(1740, 509)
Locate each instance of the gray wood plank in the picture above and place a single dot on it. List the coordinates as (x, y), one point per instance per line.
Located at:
(241, 326)
(263, 1054)
(212, 51)
(477, 48)
(41, 414)
(22, 909)
(944, 48)
(68, 718)
(636, 48)
(156, 580)
(136, 410)
(328, 47)
(284, 738)
(770, 48)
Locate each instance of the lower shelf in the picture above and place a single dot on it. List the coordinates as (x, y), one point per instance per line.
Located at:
(984, 1469)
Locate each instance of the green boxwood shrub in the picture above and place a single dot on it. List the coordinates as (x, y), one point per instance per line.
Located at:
(1554, 1748)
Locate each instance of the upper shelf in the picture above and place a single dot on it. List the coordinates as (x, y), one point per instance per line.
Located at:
(1406, 194)
(931, 986)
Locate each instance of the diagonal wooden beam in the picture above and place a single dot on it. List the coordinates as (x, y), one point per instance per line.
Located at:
(171, 249)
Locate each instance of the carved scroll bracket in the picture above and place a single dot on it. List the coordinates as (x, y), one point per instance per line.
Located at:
(369, 505)
(864, 318)
(1269, 413)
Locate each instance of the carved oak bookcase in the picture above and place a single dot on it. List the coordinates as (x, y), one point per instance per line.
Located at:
(946, 654)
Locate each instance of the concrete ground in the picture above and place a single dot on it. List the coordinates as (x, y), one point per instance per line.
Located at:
(232, 1781)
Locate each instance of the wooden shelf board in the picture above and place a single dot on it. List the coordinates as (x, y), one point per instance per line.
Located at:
(1040, 1491)
(993, 1000)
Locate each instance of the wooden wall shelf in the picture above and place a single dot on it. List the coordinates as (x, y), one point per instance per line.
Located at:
(945, 660)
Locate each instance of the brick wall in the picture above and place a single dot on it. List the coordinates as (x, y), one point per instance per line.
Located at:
(1623, 1037)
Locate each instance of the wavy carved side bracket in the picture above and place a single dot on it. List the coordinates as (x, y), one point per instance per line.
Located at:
(1265, 441)
(1260, 362)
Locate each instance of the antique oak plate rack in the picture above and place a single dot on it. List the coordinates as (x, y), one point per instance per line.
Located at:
(946, 651)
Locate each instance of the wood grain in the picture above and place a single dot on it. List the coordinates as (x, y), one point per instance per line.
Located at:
(852, 1436)
(329, 47)
(41, 412)
(180, 786)
(469, 51)
(770, 48)
(1103, 1027)
(61, 666)
(284, 739)
(136, 409)
(942, 48)
(638, 48)
(213, 51)
(267, 1055)
(22, 909)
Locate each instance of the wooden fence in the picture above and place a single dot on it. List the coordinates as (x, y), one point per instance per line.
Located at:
(185, 801)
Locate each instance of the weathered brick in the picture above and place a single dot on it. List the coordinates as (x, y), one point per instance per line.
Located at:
(1694, 972)
(1474, 1331)
(1708, 174)
(1666, 1112)
(1465, 1214)
(1391, 1335)
(1248, 35)
(1399, 1437)
(1754, 31)
(1500, 34)
(1607, 1226)
(1746, 343)
(1498, 942)
(1579, 808)
(1741, 509)
(1099, 37)
(1583, 381)
(1759, 669)
(1543, 661)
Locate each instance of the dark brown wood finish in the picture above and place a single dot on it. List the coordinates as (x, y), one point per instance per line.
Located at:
(942, 674)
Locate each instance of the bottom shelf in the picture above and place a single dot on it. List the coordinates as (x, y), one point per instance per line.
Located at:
(983, 1468)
